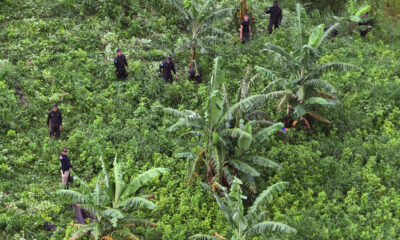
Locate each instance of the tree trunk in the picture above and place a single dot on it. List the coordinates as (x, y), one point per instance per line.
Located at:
(192, 56)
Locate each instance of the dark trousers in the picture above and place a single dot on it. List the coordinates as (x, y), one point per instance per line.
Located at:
(272, 24)
(245, 37)
(168, 78)
(55, 132)
(121, 73)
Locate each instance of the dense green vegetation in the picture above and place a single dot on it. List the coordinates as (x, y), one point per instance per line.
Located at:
(217, 173)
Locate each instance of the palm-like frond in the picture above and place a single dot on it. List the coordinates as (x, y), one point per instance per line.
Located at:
(265, 133)
(237, 133)
(106, 178)
(137, 202)
(244, 167)
(266, 195)
(142, 179)
(251, 101)
(328, 34)
(194, 166)
(262, 227)
(119, 183)
(266, 73)
(136, 221)
(218, 15)
(183, 123)
(217, 76)
(320, 83)
(316, 100)
(265, 162)
(95, 210)
(280, 55)
(205, 237)
(335, 66)
(113, 213)
(74, 195)
(298, 25)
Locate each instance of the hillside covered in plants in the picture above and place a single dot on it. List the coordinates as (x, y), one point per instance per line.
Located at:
(291, 135)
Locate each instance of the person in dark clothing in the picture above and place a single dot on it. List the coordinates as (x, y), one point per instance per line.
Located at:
(245, 29)
(120, 63)
(55, 117)
(167, 68)
(275, 17)
(65, 167)
(193, 76)
(366, 25)
(334, 32)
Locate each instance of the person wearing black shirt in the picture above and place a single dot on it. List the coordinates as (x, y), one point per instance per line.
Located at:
(55, 117)
(275, 18)
(120, 63)
(65, 167)
(245, 29)
(366, 25)
(167, 68)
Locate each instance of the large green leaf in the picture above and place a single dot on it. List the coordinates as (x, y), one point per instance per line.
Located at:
(263, 227)
(363, 10)
(204, 237)
(137, 202)
(316, 36)
(266, 195)
(244, 167)
(119, 183)
(317, 100)
(265, 133)
(142, 179)
(265, 162)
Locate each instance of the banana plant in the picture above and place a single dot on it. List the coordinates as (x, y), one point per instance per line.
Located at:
(302, 76)
(250, 222)
(226, 151)
(355, 14)
(200, 18)
(111, 201)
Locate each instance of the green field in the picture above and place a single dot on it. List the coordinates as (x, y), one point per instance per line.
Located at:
(341, 162)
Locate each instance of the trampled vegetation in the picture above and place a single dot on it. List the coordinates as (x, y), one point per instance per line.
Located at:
(293, 135)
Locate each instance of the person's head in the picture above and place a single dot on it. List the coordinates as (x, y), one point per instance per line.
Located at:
(55, 108)
(366, 15)
(169, 59)
(119, 52)
(64, 151)
(246, 17)
(275, 3)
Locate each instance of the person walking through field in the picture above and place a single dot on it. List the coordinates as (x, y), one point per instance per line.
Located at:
(275, 17)
(65, 167)
(55, 117)
(167, 68)
(245, 29)
(365, 25)
(120, 63)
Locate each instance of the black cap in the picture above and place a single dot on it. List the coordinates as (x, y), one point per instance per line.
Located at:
(118, 50)
(169, 58)
(246, 15)
(54, 106)
(276, 2)
(64, 150)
